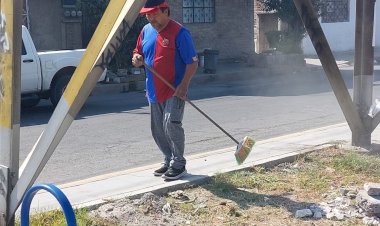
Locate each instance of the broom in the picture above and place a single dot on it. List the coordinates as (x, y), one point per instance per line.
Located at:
(243, 148)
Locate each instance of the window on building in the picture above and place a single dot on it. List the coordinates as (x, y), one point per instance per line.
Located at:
(336, 11)
(198, 11)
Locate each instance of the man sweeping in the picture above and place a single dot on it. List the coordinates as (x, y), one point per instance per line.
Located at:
(167, 47)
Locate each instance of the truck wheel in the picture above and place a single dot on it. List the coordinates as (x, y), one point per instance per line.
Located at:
(58, 88)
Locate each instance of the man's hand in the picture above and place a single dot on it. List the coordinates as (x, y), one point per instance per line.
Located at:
(137, 60)
(181, 91)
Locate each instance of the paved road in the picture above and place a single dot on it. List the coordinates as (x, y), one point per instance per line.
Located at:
(112, 132)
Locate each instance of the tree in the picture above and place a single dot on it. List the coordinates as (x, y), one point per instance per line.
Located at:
(289, 39)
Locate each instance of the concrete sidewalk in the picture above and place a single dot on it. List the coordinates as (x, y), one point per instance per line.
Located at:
(100, 189)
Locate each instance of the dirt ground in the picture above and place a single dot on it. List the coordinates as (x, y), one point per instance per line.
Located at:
(255, 197)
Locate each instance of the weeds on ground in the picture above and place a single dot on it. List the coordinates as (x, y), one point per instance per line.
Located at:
(57, 218)
(261, 195)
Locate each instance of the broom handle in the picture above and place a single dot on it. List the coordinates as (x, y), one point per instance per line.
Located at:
(191, 103)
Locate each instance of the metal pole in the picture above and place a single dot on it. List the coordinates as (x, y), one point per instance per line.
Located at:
(10, 85)
(363, 69)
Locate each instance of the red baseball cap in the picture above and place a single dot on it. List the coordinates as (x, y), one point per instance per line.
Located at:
(152, 6)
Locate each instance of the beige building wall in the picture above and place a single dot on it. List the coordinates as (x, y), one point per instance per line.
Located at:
(231, 33)
(51, 28)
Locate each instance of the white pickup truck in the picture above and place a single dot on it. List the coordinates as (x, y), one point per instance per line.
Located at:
(45, 75)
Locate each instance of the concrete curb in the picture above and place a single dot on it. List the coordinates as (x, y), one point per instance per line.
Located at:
(271, 162)
(201, 180)
(194, 180)
(92, 192)
(111, 187)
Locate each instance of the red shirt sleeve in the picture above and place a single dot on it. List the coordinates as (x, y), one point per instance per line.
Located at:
(138, 48)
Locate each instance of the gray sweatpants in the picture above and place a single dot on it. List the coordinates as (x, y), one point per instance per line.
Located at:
(167, 131)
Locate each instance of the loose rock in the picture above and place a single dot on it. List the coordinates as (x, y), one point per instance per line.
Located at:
(304, 213)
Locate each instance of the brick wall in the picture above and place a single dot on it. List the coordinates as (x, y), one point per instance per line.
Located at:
(232, 32)
(258, 8)
(45, 23)
(51, 29)
(264, 21)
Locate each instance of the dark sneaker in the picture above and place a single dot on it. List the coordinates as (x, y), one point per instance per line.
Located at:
(174, 174)
(161, 170)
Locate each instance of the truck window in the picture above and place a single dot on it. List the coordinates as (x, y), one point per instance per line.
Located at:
(23, 49)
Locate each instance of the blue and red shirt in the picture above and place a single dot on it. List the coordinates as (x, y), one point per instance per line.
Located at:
(168, 52)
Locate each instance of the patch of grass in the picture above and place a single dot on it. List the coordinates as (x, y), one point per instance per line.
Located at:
(348, 167)
(313, 181)
(314, 173)
(354, 162)
(247, 179)
(186, 207)
(57, 218)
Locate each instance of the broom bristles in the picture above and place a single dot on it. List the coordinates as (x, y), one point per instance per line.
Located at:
(243, 149)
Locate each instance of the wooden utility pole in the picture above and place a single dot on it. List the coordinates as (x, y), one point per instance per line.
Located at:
(10, 85)
(363, 69)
